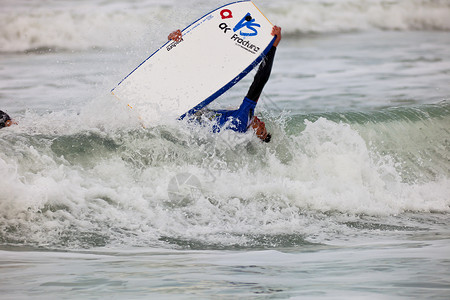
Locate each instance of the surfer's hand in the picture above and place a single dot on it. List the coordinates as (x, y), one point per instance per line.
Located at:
(276, 31)
(176, 35)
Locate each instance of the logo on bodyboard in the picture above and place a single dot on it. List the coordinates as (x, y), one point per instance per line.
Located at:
(226, 14)
(246, 27)
(249, 23)
(173, 44)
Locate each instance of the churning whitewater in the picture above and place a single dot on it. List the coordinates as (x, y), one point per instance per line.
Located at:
(70, 185)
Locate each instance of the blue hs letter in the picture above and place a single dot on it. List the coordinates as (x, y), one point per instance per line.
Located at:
(248, 22)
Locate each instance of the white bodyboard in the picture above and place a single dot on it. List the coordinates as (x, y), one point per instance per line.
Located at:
(216, 52)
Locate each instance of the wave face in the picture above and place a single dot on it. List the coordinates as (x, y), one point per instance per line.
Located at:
(56, 25)
(352, 15)
(71, 183)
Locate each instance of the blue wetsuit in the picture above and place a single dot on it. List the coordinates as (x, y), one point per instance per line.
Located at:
(239, 119)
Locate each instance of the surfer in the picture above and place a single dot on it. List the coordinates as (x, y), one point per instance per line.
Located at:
(5, 120)
(243, 118)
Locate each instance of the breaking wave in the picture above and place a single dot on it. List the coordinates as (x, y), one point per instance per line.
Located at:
(79, 184)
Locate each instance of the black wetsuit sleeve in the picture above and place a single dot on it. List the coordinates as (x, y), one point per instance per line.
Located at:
(262, 76)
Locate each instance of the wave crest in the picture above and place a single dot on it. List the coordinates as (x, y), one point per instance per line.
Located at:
(97, 25)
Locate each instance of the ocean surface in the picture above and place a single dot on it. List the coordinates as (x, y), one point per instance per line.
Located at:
(350, 199)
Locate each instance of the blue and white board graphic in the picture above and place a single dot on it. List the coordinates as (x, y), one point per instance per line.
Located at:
(216, 52)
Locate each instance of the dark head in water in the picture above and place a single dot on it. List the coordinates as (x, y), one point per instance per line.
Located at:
(5, 120)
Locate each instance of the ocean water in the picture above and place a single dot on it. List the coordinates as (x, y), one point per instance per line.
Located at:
(350, 199)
